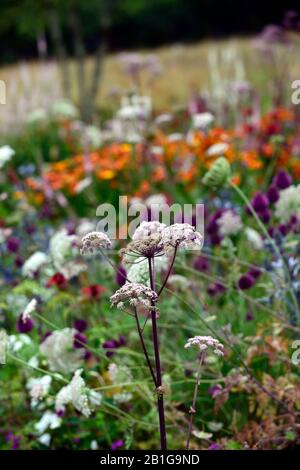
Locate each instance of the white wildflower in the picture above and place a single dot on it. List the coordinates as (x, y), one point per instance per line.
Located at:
(34, 263)
(39, 387)
(64, 109)
(49, 420)
(204, 343)
(182, 235)
(30, 308)
(134, 294)
(229, 223)
(217, 149)
(6, 152)
(77, 393)
(146, 229)
(254, 238)
(60, 352)
(93, 242)
(45, 439)
(288, 203)
(202, 120)
(17, 342)
(63, 249)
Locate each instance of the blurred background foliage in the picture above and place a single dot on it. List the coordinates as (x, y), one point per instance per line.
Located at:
(127, 24)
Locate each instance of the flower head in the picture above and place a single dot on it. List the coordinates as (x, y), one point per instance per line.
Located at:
(229, 223)
(93, 242)
(146, 229)
(181, 235)
(288, 203)
(147, 247)
(204, 343)
(218, 174)
(59, 350)
(134, 294)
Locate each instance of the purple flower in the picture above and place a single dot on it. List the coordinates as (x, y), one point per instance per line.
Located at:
(121, 275)
(265, 216)
(214, 446)
(80, 341)
(215, 288)
(24, 326)
(249, 316)
(260, 202)
(246, 281)
(215, 390)
(117, 444)
(283, 179)
(14, 440)
(273, 194)
(255, 272)
(201, 264)
(13, 244)
(80, 325)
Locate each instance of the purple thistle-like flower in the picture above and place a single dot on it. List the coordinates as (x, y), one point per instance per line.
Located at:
(265, 216)
(201, 264)
(255, 272)
(260, 202)
(80, 325)
(13, 439)
(214, 446)
(13, 244)
(215, 288)
(273, 194)
(246, 281)
(24, 325)
(283, 179)
(80, 341)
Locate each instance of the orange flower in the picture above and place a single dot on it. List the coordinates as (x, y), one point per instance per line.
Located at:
(251, 159)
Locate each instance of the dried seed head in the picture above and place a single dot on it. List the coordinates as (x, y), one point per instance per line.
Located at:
(133, 294)
(94, 242)
(218, 174)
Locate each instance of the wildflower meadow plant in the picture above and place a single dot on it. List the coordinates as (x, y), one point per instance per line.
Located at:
(150, 241)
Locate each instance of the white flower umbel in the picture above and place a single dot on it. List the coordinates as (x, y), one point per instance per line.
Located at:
(133, 294)
(77, 393)
(288, 203)
(94, 242)
(30, 308)
(205, 343)
(6, 152)
(63, 250)
(148, 228)
(181, 235)
(39, 387)
(34, 263)
(254, 238)
(229, 223)
(60, 352)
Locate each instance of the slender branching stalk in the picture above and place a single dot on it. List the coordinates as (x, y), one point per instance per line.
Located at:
(192, 409)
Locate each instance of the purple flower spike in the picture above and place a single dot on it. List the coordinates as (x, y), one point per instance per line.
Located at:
(24, 326)
(283, 179)
(260, 202)
(273, 194)
(246, 281)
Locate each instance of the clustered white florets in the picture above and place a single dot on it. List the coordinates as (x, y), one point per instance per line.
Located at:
(229, 223)
(93, 242)
(60, 352)
(133, 294)
(77, 393)
(147, 229)
(288, 203)
(204, 343)
(181, 235)
(29, 309)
